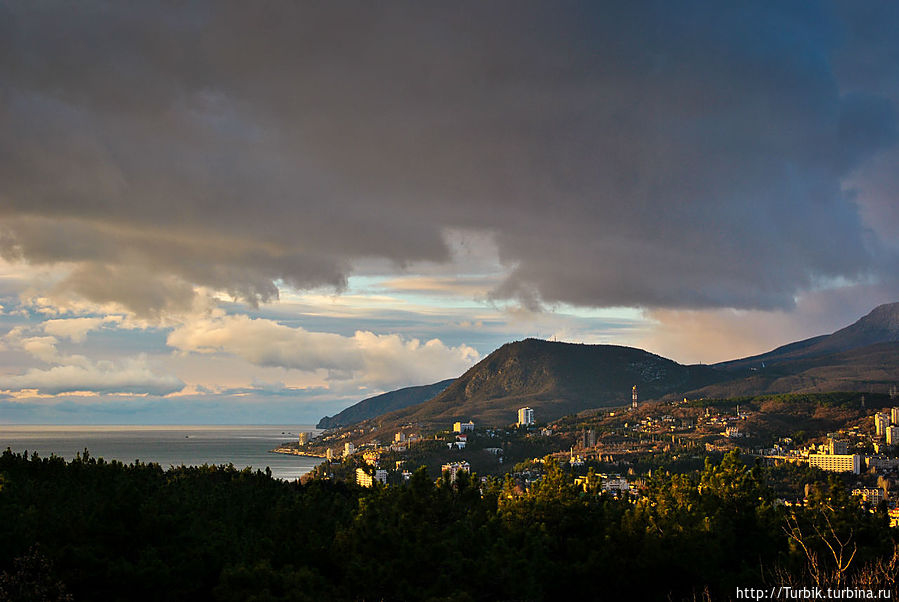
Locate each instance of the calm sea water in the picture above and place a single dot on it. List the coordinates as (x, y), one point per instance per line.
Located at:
(167, 445)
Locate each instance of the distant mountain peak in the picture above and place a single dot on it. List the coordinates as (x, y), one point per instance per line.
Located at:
(880, 325)
(884, 316)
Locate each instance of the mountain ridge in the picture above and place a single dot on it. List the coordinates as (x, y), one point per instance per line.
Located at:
(558, 378)
(880, 325)
(555, 379)
(383, 403)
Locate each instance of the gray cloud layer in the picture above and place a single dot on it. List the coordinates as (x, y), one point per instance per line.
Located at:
(654, 154)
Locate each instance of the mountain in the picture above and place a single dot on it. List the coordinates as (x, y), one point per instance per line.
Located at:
(881, 325)
(872, 368)
(558, 379)
(382, 404)
(555, 379)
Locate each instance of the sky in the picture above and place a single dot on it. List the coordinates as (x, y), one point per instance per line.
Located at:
(249, 213)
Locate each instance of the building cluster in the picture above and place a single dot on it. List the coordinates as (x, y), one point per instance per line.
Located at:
(400, 443)
(367, 478)
(886, 426)
(717, 421)
(725, 425)
(454, 468)
(833, 455)
(460, 442)
(849, 451)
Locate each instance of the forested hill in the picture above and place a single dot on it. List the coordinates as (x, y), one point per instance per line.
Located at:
(384, 403)
(555, 379)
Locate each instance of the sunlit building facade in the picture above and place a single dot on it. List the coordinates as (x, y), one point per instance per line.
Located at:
(837, 462)
(525, 417)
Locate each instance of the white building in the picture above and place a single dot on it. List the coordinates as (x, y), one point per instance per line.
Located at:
(303, 438)
(525, 417)
(399, 437)
(348, 449)
(615, 483)
(837, 462)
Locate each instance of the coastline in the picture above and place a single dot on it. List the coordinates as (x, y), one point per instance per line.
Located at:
(295, 452)
(244, 446)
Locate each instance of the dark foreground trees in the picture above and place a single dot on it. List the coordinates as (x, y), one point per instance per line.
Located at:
(106, 531)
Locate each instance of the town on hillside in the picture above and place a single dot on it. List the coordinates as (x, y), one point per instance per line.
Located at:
(801, 438)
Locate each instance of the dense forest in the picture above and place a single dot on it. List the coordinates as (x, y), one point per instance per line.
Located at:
(95, 530)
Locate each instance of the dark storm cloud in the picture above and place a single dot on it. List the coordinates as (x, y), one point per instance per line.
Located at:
(688, 155)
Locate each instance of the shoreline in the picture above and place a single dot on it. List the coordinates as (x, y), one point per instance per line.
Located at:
(295, 452)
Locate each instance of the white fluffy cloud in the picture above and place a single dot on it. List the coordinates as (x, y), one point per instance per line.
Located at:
(70, 373)
(375, 359)
(74, 329)
(132, 376)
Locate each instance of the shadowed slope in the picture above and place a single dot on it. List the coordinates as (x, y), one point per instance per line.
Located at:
(555, 379)
(382, 404)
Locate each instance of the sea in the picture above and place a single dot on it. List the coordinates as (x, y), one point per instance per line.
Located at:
(242, 446)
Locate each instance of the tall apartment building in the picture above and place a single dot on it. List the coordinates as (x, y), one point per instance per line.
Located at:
(892, 435)
(525, 417)
(894, 415)
(881, 422)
